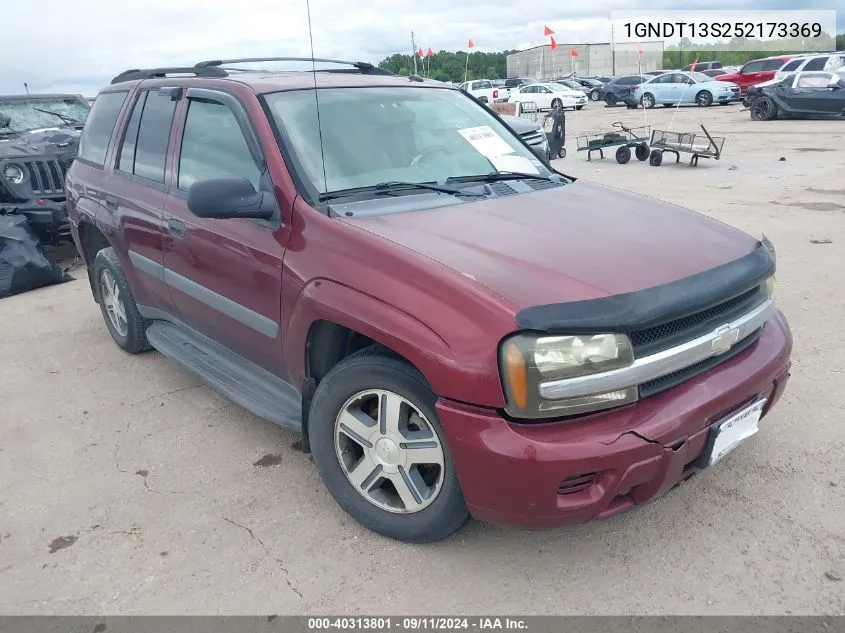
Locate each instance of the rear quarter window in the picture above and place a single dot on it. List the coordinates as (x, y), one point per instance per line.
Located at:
(99, 126)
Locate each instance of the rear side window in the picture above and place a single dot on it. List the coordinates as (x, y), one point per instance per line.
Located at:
(213, 146)
(816, 63)
(772, 64)
(126, 160)
(99, 126)
(795, 63)
(154, 136)
(753, 67)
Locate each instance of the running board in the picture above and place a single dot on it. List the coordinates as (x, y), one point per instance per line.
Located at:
(252, 387)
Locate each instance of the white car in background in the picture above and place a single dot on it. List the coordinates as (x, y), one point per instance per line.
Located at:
(820, 61)
(549, 95)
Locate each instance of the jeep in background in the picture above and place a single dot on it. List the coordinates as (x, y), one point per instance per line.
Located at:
(454, 328)
(38, 142)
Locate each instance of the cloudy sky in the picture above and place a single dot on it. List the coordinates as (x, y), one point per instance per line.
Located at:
(78, 45)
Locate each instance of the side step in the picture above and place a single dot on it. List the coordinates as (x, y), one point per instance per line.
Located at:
(252, 387)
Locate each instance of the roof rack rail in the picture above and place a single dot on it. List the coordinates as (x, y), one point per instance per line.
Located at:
(361, 67)
(154, 73)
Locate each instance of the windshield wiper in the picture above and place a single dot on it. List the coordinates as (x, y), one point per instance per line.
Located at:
(499, 175)
(392, 187)
(68, 120)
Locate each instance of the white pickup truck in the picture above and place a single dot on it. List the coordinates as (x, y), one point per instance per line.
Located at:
(484, 91)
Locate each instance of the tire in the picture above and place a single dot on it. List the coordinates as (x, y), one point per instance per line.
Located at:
(482, 100)
(724, 103)
(655, 158)
(127, 327)
(666, 105)
(556, 103)
(374, 369)
(632, 106)
(595, 95)
(763, 109)
(641, 151)
(704, 99)
(562, 153)
(648, 101)
(580, 107)
(623, 154)
(611, 100)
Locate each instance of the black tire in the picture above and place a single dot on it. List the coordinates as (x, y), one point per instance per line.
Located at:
(595, 95)
(648, 101)
(666, 105)
(134, 341)
(641, 152)
(482, 100)
(763, 109)
(611, 100)
(704, 99)
(623, 154)
(556, 103)
(580, 107)
(632, 106)
(562, 153)
(375, 368)
(655, 158)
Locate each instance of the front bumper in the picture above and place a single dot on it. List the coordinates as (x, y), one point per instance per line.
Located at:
(523, 474)
(49, 220)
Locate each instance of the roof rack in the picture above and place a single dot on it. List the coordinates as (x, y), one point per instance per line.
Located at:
(361, 67)
(154, 73)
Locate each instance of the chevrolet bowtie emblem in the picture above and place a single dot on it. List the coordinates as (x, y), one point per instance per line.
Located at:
(726, 336)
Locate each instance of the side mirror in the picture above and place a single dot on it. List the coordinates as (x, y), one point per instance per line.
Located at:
(221, 198)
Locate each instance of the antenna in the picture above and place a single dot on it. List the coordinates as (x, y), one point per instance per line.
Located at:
(316, 98)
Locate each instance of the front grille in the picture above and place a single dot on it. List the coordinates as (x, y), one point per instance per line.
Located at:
(659, 337)
(668, 381)
(46, 177)
(535, 137)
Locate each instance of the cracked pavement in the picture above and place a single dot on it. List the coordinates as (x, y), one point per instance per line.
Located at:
(128, 488)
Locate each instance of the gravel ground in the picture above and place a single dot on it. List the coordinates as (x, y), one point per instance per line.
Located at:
(126, 487)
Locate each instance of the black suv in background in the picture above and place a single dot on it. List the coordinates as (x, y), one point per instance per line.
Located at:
(39, 135)
(621, 90)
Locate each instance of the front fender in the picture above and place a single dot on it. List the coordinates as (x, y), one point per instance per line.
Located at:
(430, 353)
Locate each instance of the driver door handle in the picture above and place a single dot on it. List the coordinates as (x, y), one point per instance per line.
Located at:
(176, 228)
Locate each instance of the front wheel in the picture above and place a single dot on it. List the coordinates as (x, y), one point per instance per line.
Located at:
(641, 151)
(556, 103)
(595, 95)
(562, 153)
(704, 99)
(380, 449)
(623, 154)
(610, 100)
(655, 158)
(580, 107)
(763, 109)
(648, 100)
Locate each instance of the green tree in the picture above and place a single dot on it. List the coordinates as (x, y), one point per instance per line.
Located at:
(450, 66)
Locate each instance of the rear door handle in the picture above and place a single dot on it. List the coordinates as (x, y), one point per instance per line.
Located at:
(111, 202)
(176, 228)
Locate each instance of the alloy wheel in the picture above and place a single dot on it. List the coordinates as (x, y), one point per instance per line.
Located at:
(110, 294)
(389, 451)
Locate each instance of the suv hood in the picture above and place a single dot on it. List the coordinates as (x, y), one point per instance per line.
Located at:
(58, 141)
(575, 242)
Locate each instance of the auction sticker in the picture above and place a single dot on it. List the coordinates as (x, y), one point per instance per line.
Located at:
(486, 141)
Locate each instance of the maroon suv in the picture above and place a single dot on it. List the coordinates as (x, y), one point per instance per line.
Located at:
(455, 328)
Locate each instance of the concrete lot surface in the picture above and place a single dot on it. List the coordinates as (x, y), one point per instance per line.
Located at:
(126, 487)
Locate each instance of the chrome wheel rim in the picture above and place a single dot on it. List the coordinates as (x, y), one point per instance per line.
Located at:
(389, 451)
(703, 99)
(113, 302)
(648, 101)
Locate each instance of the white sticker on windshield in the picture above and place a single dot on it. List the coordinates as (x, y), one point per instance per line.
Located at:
(486, 141)
(512, 162)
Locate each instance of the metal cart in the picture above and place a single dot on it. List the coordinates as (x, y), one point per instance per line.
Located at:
(624, 138)
(699, 145)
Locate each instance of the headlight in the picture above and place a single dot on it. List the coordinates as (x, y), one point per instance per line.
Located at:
(527, 360)
(13, 173)
(769, 287)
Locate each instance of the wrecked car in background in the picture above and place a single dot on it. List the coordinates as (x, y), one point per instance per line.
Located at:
(39, 136)
(809, 94)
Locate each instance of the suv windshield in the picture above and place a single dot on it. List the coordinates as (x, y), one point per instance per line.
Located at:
(378, 134)
(23, 114)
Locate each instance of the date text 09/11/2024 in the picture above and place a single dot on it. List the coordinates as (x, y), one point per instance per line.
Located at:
(702, 30)
(428, 623)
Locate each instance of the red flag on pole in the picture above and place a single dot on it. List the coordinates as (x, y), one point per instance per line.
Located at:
(547, 31)
(420, 53)
(553, 45)
(430, 53)
(692, 67)
(639, 49)
(470, 44)
(573, 52)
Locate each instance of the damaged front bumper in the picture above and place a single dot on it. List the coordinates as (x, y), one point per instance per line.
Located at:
(595, 466)
(47, 218)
